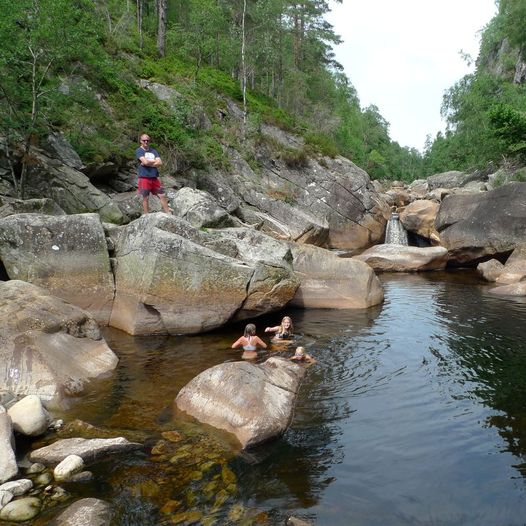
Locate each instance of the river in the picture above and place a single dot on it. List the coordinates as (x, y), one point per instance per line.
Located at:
(415, 414)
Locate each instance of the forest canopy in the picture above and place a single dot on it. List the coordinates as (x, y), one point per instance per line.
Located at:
(78, 66)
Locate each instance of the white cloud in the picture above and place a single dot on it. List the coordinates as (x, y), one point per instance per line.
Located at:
(402, 55)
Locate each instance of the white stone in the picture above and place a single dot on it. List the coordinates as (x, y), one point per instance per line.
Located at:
(68, 467)
(29, 416)
(21, 509)
(8, 465)
(17, 487)
(5, 498)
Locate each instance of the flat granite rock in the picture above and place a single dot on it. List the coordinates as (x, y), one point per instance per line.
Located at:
(88, 449)
(85, 512)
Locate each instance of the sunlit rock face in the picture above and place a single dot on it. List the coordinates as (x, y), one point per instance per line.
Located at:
(399, 258)
(67, 255)
(254, 402)
(172, 278)
(475, 226)
(50, 348)
(330, 282)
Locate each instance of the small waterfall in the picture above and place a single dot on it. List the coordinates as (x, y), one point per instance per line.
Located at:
(395, 233)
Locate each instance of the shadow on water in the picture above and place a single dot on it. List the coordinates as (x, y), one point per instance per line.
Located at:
(413, 415)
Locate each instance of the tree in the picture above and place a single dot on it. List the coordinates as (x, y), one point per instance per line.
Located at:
(46, 38)
(162, 13)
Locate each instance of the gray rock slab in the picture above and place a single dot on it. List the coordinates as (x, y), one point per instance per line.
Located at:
(21, 510)
(50, 348)
(67, 255)
(88, 449)
(401, 258)
(85, 512)
(8, 465)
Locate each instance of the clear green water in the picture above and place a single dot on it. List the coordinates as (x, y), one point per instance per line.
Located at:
(415, 414)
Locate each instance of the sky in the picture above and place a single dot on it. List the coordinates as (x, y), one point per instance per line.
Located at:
(401, 55)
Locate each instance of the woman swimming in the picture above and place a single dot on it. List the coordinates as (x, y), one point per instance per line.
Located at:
(284, 331)
(250, 342)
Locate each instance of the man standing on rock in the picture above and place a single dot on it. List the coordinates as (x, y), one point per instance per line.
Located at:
(149, 161)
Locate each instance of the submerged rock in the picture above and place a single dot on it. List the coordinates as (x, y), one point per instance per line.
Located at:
(87, 449)
(514, 289)
(254, 402)
(85, 512)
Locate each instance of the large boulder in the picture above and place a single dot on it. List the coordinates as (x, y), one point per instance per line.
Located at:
(401, 258)
(49, 347)
(67, 255)
(451, 179)
(330, 282)
(254, 402)
(8, 465)
(419, 217)
(69, 188)
(88, 449)
(172, 278)
(474, 227)
(200, 209)
(326, 202)
(515, 268)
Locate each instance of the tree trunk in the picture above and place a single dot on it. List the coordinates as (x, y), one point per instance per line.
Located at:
(243, 65)
(162, 9)
(139, 22)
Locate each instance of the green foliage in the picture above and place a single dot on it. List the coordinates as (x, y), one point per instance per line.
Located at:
(93, 54)
(509, 125)
(485, 110)
(322, 143)
(513, 14)
(43, 41)
(295, 158)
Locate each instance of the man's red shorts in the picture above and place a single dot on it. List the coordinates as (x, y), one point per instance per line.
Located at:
(149, 185)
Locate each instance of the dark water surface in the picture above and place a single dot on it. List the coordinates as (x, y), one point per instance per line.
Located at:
(415, 414)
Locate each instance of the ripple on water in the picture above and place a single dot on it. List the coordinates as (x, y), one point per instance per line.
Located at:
(414, 414)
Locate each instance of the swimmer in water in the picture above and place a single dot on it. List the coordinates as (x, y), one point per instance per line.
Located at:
(284, 331)
(301, 356)
(250, 342)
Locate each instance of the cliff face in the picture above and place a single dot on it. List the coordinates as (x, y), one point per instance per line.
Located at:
(270, 179)
(504, 60)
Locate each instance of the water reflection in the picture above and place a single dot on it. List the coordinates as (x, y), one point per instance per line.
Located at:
(414, 414)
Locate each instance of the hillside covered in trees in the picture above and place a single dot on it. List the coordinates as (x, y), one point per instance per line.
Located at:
(78, 67)
(81, 67)
(485, 111)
